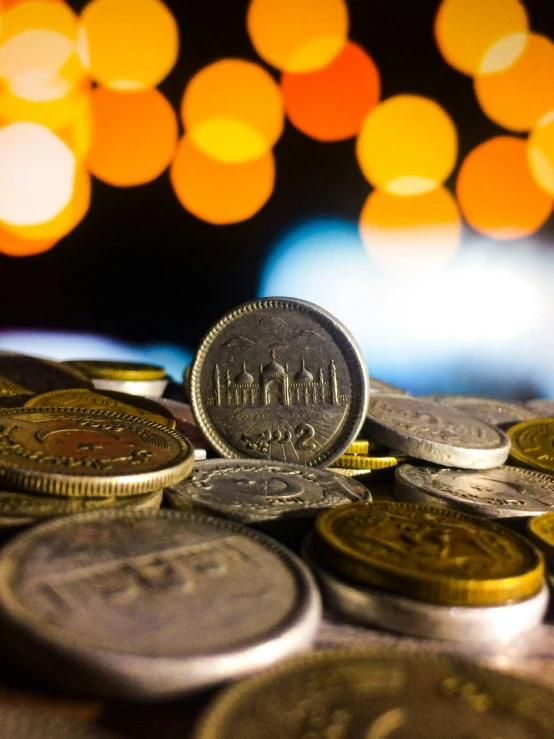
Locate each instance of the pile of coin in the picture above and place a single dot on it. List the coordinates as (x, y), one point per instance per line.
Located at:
(426, 517)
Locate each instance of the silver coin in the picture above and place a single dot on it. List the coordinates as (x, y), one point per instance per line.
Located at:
(253, 491)
(435, 433)
(29, 722)
(542, 407)
(152, 388)
(147, 604)
(281, 380)
(392, 612)
(489, 410)
(500, 492)
(378, 386)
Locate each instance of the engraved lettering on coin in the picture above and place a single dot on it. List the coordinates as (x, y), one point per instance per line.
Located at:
(489, 410)
(533, 444)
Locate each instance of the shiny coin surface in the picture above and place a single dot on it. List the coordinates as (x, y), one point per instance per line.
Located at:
(543, 407)
(378, 386)
(380, 694)
(362, 446)
(22, 376)
(83, 398)
(489, 410)
(362, 462)
(348, 472)
(435, 433)
(101, 369)
(532, 444)
(497, 493)
(430, 554)
(148, 604)
(252, 491)
(281, 380)
(541, 531)
(152, 388)
(93, 453)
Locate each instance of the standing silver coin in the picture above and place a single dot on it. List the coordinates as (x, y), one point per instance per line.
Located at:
(148, 604)
(489, 410)
(279, 379)
(379, 387)
(253, 491)
(542, 407)
(500, 492)
(435, 433)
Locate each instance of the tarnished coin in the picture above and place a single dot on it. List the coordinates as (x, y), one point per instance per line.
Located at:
(380, 694)
(533, 444)
(103, 369)
(430, 554)
(542, 407)
(489, 410)
(29, 722)
(497, 493)
(147, 604)
(378, 386)
(83, 398)
(70, 451)
(363, 462)
(541, 531)
(281, 380)
(435, 433)
(252, 491)
(22, 376)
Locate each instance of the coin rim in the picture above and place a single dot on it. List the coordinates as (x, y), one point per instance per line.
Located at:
(107, 370)
(518, 455)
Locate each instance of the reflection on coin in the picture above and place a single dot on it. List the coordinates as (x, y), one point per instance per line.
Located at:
(543, 407)
(362, 446)
(489, 410)
(104, 369)
(435, 433)
(541, 531)
(29, 722)
(380, 694)
(22, 376)
(501, 492)
(532, 444)
(152, 388)
(378, 386)
(70, 451)
(431, 554)
(252, 491)
(281, 380)
(363, 462)
(152, 603)
(348, 472)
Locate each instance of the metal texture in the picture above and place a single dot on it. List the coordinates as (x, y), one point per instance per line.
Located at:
(542, 407)
(489, 410)
(105, 369)
(22, 376)
(146, 604)
(253, 491)
(435, 433)
(363, 462)
(541, 531)
(531, 444)
(281, 380)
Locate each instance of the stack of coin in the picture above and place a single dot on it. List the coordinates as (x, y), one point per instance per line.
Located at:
(127, 377)
(364, 456)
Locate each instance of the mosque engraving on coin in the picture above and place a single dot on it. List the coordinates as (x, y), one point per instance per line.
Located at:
(279, 379)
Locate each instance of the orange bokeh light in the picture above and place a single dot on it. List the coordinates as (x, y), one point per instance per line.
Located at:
(233, 110)
(404, 234)
(407, 145)
(520, 96)
(133, 136)
(480, 36)
(330, 104)
(129, 44)
(220, 192)
(298, 36)
(540, 152)
(497, 193)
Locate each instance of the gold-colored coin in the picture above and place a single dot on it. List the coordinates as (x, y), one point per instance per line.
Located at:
(349, 472)
(540, 530)
(430, 554)
(533, 444)
(83, 398)
(361, 462)
(97, 369)
(362, 446)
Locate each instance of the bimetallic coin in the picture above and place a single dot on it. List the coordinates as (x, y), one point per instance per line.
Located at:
(541, 531)
(498, 493)
(380, 693)
(430, 554)
(70, 451)
(281, 380)
(489, 410)
(361, 462)
(147, 604)
(253, 491)
(435, 433)
(103, 369)
(542, 407)
(426, 620)
(378, 387)
(532, 444)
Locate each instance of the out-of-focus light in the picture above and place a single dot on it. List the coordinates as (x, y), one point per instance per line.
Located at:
(16, 246)
(497, 193)
(233, 111)
(477, 36)
(540, 152)
(37, 171)
(330, 104)
(407, 145)
(298, 36)
(220, 192)
(128, 44)
(411, 234)
(53, 114)
(134, 136)
(521, 95)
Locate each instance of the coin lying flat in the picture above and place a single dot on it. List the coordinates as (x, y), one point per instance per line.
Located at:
(431, 554)
(543, 407)
(252, 491)
(362, 446)
(435, 433)
(541, 531)
(349, 472)
(489, 410)
(93, 453)
(22, 376)
(378, 386)
(497, 493)
(100, 369)
(147, 604)
(531, 444)
(281, 380)
(380, 694)
(363, 462)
